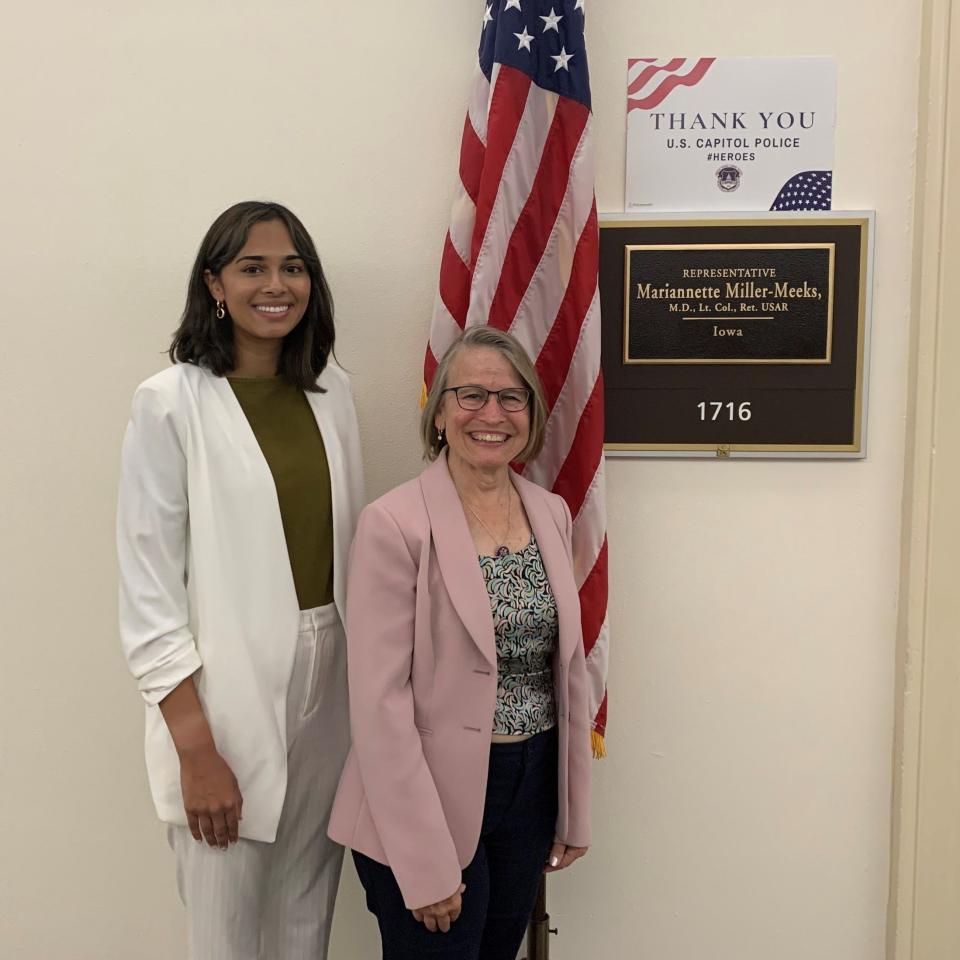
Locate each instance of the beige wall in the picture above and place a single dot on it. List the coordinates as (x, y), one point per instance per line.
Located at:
(744, 811)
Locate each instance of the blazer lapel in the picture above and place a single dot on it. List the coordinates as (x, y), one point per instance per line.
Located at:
(556, 562)
(457, 556)
(222, 417)
(323, 413)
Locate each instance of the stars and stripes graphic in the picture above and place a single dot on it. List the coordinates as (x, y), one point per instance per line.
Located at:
(650, 80)
(810, 190)
(521, 254)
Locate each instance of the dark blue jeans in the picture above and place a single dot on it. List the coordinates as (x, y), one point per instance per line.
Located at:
(519, 818)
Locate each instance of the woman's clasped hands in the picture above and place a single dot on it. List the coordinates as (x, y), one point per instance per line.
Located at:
(439, 916)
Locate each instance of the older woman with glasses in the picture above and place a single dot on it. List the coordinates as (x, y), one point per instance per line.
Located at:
(469, 773)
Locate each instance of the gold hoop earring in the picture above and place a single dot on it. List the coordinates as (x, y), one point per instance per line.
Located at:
(221, 313)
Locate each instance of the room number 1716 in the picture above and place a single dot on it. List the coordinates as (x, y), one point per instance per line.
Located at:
(718, 410)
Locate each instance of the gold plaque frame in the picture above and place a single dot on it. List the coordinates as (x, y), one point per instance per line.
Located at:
(854, 325)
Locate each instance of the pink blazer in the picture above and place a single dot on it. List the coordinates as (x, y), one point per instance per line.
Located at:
(423, 684)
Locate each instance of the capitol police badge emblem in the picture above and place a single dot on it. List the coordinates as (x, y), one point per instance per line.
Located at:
(728, 178)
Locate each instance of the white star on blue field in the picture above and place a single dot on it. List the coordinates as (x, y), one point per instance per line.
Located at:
(810, 190)
(543, 38)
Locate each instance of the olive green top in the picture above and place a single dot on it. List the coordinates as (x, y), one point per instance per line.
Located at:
(283, 423)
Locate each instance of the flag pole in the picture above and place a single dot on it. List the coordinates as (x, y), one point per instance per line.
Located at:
(522, 248)
(539, 930)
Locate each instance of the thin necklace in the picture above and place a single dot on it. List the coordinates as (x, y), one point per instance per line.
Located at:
(503, 549)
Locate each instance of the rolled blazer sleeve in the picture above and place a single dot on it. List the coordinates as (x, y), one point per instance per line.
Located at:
(399, 788)
(151, 546)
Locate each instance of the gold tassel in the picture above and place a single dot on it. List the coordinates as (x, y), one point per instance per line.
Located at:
(423, 395)
(598, 744)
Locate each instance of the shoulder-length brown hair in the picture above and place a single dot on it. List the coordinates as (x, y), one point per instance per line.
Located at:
(512, 349)
(207, 341)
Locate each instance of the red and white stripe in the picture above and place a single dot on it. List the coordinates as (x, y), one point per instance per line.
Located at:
(650, 81)
(522, 254)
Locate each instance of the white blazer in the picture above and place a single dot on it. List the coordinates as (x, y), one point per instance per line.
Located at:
(205, 578)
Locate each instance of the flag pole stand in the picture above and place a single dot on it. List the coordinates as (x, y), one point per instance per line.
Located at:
(538, 930)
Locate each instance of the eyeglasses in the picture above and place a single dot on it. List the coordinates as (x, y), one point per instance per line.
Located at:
(511, 399)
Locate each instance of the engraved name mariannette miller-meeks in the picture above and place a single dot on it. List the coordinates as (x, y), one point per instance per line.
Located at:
(729, 303)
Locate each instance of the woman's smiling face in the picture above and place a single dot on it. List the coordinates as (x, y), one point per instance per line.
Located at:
(266, 288)
(490, 438)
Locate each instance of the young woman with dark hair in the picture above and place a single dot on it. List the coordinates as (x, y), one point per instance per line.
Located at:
(206, 336)
(240, 488)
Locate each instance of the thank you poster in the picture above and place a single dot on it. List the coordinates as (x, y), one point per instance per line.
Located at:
(730, 133)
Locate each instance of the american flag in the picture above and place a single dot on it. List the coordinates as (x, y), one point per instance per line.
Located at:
(521, 254)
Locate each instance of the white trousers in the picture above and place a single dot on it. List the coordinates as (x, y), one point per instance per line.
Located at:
(274, 901)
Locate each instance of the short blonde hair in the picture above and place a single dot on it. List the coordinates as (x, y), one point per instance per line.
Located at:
(509, 346)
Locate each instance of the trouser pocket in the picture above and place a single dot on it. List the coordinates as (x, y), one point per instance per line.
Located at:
(319, 660)
(318, 641)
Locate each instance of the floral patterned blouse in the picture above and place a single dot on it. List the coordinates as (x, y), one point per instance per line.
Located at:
(526, 628)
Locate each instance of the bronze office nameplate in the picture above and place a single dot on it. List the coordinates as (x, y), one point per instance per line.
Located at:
(735, 335)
